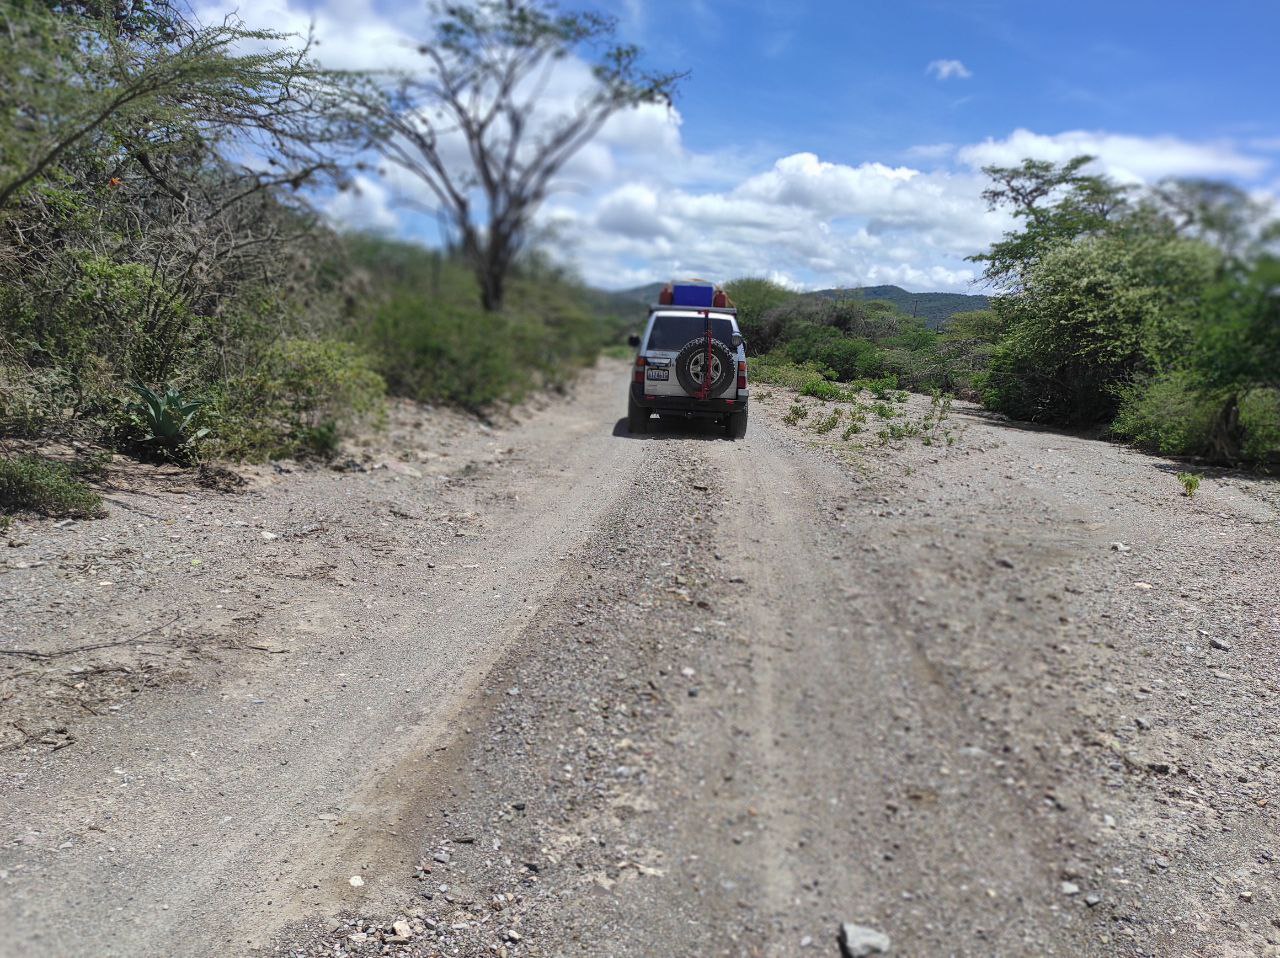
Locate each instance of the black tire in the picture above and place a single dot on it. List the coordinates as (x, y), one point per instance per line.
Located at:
(637, 417)
(691, 359)
(735, 426)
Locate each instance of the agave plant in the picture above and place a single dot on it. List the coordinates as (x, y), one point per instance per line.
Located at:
(167, 417)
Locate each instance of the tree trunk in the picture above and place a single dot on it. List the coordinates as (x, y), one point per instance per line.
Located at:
(1225, 438)
(490, 266)
(492, 286)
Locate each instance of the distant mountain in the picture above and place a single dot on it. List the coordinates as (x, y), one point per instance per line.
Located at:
(934, 308)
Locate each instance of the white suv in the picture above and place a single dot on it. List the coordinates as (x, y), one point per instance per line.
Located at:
(674, 355)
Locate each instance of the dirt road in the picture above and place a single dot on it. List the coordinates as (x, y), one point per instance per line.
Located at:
(548, 689)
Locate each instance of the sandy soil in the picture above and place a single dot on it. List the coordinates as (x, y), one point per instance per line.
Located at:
(544, 688)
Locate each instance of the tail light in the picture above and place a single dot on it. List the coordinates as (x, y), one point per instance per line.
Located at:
(638, 375)
(742, 375)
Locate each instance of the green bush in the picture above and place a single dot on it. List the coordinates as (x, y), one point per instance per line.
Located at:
(754, 297)
(1260, 425)
(432, 342)
(1167, 414)
(776, 370)
(40, 485)
(302, 396)
(1177, 415)
(828, 391)
(825, 346)
(1092, 315)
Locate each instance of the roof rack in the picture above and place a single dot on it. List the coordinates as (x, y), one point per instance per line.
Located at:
(723, 310)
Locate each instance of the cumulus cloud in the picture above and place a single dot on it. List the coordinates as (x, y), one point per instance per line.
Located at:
(948, 70)
(1133, 159)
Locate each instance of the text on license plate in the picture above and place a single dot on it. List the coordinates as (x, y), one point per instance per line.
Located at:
(657, 374)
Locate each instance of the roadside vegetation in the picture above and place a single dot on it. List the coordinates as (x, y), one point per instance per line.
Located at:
(421, 321)
(807, 343)
(1153, 313)
(37, 484)
(167, 290)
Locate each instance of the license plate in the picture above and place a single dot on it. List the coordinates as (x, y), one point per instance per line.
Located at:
(657, 374)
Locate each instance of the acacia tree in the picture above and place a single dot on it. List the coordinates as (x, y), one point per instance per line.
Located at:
(138, 84)
(469, 126)
(1056, 203)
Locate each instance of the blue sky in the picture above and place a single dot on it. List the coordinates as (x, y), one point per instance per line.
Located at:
(847, 80)
(839, 144)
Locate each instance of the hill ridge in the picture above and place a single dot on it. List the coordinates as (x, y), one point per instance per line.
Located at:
(934, 308)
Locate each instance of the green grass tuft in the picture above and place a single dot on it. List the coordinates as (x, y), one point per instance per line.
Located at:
(36, 484)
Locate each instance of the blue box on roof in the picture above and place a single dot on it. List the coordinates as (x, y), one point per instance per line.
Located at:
(693, 294)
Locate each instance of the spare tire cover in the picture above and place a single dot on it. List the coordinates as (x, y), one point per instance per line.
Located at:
(693, 357)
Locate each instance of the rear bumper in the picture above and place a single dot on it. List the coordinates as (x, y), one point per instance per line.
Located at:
(687, 405)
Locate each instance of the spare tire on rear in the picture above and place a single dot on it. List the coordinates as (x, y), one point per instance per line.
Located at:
(693, 357)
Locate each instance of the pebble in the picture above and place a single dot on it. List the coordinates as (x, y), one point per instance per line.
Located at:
(858, 941)
(1219, 645)
(1070, 888)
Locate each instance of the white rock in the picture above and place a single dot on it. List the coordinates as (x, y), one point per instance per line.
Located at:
(355, 881)
(858, 941)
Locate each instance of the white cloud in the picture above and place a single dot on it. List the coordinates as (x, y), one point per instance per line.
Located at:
(1133, 159)
(931, 152)
(364, 205)
(948, 70)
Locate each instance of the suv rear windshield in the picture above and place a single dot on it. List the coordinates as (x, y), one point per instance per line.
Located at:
(672, 332)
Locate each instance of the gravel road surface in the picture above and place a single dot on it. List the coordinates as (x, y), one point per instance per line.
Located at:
(545, 688)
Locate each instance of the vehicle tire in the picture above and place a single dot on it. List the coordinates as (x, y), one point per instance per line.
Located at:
(637, 417)
(736, 425)
(690, 360)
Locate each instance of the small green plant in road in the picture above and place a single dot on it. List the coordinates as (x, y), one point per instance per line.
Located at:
(827, 423)
(1190, 483)
(167, 420)
(857, 414)
(795, 414)
(899, 430)
(822, 389)
(931, 422)
(884, 410)
(940, 405)
(36, 484)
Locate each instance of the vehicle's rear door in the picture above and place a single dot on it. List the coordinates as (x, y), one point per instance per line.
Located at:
(670, 332)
